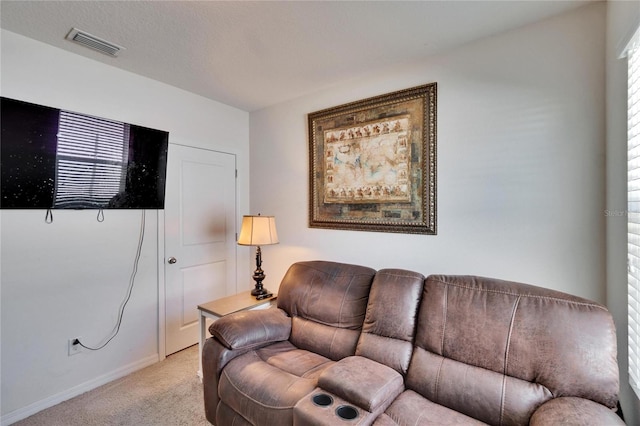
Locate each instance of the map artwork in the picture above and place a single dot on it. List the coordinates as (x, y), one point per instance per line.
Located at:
(368, 162)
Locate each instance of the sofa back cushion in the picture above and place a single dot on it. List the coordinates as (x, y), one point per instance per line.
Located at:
(327, 302)
(496, 350)
(390, 323)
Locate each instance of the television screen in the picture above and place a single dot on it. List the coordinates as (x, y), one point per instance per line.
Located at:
(57, 159)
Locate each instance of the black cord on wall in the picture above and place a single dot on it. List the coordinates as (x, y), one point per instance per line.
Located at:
(129, 290)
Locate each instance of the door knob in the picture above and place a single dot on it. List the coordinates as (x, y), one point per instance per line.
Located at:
(172, 260)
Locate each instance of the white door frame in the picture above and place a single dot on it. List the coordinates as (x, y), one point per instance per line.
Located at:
(162, 302)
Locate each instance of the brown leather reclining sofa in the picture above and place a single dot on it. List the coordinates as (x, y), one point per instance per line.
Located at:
(351, 346)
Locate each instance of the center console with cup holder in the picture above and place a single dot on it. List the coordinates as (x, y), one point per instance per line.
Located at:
(321, 408)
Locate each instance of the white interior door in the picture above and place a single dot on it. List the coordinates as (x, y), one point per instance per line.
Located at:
(200, 246)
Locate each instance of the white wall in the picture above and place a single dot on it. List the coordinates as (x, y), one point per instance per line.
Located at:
(622, 18)
(69, 278)
(520, 192)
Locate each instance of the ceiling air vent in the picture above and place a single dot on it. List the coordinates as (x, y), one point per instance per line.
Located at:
(94, 42)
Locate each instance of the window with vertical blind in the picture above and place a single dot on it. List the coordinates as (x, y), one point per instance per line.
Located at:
(633, 210)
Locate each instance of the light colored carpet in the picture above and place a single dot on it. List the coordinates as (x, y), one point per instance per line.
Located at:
(166, 393)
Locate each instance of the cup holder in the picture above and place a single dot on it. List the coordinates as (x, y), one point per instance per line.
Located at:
(322, 399)
(346, 412)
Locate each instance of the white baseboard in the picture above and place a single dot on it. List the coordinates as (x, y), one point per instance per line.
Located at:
(31, 409)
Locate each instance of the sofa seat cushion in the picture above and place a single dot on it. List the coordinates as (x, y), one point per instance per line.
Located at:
(264, 384)
(410, 408)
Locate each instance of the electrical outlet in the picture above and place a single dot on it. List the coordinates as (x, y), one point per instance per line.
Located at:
(74, 349)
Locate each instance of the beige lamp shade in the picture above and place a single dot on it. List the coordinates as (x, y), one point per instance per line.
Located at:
(258, 231)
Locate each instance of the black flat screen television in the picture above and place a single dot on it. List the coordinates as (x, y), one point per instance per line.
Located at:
(56, 159)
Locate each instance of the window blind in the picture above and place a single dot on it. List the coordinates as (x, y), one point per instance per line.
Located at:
(91, 160)
(633, 215)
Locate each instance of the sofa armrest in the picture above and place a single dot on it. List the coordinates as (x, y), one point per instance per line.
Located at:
(574, 411)
(248, 329)
(363, 382)
(233, 336)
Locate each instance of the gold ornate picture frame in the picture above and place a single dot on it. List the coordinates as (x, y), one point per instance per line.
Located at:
(372, 163)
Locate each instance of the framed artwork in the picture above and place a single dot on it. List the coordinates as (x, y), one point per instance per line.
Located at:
(373, 164)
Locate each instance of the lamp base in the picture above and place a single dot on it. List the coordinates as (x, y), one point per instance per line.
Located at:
(258, 276)
(259, 291)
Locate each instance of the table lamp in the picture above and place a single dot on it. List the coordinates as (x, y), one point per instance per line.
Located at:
(258, 231)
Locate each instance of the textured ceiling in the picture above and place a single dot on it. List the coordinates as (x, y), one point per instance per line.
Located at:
(252, 54)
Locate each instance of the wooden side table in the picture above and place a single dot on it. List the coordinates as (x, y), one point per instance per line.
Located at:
(221, 307)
